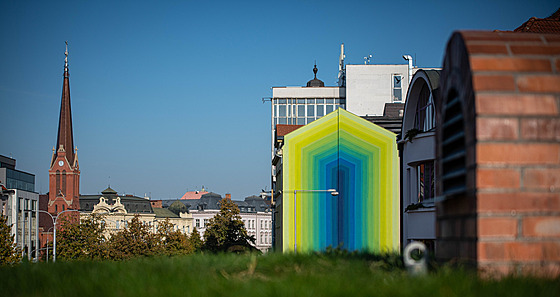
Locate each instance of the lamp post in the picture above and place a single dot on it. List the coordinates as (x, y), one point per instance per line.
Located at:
(54, 220)
(333, 193)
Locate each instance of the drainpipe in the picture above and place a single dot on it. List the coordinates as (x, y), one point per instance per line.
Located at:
(409, 59)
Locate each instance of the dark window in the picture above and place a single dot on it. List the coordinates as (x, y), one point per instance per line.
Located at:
(425, 118)
(426, 181)
(64, 182)
(57, 183)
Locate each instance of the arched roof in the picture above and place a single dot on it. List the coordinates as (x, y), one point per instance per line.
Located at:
(431, 78)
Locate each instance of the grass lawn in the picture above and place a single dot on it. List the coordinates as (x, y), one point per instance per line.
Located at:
(265, 275)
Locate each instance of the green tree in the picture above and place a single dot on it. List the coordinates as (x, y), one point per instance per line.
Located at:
(133, 241)
(195, 240)
(81, 239)
(174, 242)
(226, 231)
(9, 254)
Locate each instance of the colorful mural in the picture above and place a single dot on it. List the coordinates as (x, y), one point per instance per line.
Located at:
(359, 160)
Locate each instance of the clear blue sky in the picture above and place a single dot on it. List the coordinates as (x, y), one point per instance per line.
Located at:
(166, 95)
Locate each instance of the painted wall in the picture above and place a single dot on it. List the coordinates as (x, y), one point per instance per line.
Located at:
(357, 158)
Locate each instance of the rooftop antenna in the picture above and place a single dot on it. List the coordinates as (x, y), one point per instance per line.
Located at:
(367, 59)
(341, 69)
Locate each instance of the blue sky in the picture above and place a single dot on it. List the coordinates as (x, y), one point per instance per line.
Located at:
(166, 95)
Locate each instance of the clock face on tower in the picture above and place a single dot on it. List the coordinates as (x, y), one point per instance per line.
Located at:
(60, 163)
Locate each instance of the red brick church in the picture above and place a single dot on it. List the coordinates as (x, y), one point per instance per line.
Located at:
(64, 172)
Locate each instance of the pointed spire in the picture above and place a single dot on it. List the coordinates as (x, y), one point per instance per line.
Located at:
(66, 60)
(65, 139)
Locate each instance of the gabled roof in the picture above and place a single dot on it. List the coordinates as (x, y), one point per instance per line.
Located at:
(109, 191)
(194, 194)
(550, 24)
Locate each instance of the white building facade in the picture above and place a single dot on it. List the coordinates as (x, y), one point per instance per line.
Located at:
(369, 87)
(257, 224)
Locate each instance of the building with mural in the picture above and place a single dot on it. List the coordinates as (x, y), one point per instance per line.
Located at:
(340, 186)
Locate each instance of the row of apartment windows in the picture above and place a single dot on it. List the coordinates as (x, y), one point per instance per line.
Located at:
(265, 224)
(264, 237)
(303, 111)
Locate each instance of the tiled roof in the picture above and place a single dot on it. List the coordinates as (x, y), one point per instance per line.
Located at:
(194, 194)
(550, 24)
(282, 130)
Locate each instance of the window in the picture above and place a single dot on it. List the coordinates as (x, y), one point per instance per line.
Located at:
(320, 110)
(397, 87)
(426, 182)
(57, 183)
(310, 110)
(64, 182)
(425, 117)
(198, 223)
(205, 223)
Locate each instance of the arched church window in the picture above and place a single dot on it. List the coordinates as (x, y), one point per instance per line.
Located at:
(64, 181)
(57, 182)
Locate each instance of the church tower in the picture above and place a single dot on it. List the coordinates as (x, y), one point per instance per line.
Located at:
(64, 172)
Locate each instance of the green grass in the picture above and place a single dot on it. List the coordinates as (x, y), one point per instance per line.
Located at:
(249, 275)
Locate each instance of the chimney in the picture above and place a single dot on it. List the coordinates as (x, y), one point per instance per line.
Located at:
(228, 196)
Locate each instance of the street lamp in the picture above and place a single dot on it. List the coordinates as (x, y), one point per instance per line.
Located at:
(54, 219)
(333, 193)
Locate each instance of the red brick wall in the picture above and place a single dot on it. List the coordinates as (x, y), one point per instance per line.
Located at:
(156, 203)
(514, 120)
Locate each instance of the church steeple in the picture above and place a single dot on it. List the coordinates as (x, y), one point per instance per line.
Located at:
(64, 173)
(65, 139)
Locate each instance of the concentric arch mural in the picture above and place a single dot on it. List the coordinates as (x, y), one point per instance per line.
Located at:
(357, 159)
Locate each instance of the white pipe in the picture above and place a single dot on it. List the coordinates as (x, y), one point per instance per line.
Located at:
(409, 59)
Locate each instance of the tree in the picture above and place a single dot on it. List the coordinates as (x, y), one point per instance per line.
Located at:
(81, 239)
(195, 240)
(8, 251)
(134, 240)
(173, 242)
(226, 231)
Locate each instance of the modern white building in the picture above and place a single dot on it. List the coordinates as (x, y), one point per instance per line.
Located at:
(369, 87)
(20, 204)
